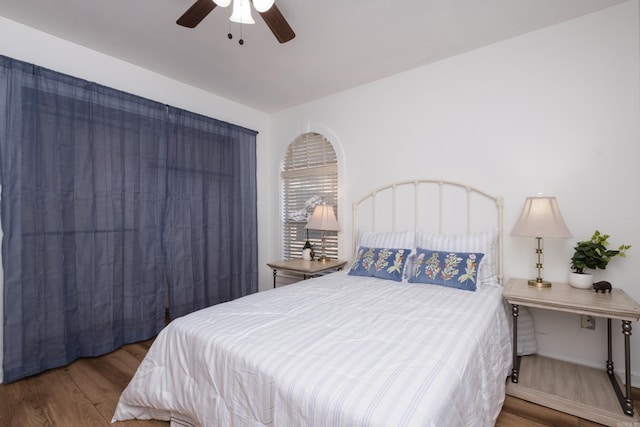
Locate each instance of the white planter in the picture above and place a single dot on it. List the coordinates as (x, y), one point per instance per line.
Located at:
(581, 280)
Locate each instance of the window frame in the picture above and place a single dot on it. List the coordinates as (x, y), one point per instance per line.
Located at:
(308, 176)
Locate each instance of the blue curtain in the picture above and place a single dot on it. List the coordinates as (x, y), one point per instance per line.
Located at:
(210, 212)
(95, 220)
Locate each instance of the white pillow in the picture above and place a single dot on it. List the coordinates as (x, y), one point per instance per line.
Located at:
(391, 239)
(484, 241)
(527, 343)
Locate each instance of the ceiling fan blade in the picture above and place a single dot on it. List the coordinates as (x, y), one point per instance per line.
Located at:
(196, 13)
(278, 24)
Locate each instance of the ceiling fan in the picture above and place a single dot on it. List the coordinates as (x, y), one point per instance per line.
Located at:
(242, 14)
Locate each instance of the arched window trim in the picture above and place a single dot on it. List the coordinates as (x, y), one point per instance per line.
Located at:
(309, 175)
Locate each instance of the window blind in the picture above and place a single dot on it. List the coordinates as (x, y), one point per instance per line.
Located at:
(309, 177)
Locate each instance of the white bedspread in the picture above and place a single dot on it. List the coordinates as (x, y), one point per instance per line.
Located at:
(333, 351)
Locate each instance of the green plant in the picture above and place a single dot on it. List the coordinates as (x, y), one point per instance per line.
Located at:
(593, 254)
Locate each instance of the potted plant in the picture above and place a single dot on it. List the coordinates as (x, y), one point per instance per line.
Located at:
(592, 255)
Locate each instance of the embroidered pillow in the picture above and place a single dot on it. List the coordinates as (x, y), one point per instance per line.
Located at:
(389, 239)
(382, 263)
(452, 269)
(485, 242)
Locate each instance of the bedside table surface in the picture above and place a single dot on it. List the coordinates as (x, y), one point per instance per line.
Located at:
(306, 267)
(563, 297)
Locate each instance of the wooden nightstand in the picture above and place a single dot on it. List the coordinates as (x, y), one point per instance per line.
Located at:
(306, 268)
(564, 386)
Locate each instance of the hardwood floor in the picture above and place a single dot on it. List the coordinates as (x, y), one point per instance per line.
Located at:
(86, 392)
(82, 394)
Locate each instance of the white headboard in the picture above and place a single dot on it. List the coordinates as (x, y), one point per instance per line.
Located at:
(432, 205)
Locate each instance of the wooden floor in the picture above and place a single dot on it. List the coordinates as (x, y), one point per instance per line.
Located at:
(86, 392)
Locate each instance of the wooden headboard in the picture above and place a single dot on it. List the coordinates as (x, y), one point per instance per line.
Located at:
(432, 205)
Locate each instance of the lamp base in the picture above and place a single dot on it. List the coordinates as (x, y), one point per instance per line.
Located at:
(323, 259)
(539, 284)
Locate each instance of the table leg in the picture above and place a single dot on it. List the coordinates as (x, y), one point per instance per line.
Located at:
(514, 369)
(624, 399)
(626, 330)
(275, 273)
(609, 349)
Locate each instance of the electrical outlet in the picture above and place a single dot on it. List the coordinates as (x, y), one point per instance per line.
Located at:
(588, 322)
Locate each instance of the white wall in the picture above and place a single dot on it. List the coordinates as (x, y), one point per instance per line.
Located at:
(555, 111)
(26, 44)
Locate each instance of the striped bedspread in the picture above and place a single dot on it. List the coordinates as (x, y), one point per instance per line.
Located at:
(332, 351)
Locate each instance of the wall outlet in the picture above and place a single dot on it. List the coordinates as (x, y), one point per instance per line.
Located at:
(588, 322)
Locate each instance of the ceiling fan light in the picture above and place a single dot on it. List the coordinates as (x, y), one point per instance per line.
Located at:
(242, 12)
(262, 5)
(222, 3)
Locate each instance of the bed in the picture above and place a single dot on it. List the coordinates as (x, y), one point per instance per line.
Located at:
(376, 345)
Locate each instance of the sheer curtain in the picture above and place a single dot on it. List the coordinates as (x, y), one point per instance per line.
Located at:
(211, 205)
(88, 199)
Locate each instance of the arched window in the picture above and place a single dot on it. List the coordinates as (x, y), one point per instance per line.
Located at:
(309, 177)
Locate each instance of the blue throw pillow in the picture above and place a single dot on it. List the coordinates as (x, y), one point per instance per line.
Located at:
(382, 263)
(452, 269)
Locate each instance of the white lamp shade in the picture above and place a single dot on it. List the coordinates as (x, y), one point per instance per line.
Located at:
(262, 5)
(541, 217)
(242, 12)
(323, 218)
(222, 3)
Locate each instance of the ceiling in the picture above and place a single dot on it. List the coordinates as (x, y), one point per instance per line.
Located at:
(339, 44)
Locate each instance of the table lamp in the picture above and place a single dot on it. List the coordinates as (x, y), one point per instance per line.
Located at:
(323, 219)
(541, 218)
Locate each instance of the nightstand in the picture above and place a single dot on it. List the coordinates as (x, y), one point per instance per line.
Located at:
(304, 267)
(586, 392)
